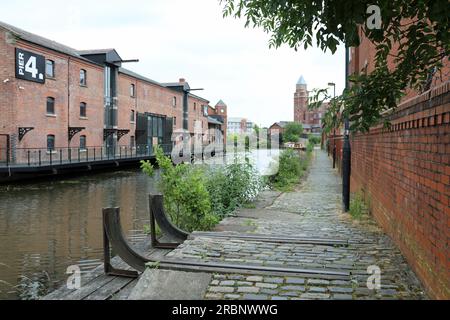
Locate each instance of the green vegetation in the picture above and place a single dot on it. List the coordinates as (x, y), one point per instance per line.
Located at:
(197, 197)
(414, 36)
(315, 140)
(358, 207)
(292, 132)
(291, 168)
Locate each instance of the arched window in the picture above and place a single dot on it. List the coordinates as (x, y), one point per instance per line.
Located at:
(50, 142)
(83, 142)
(83, 76)
(50, 105)
(83, 112)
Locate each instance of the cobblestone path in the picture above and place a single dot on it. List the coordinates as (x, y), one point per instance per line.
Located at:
(311, 211)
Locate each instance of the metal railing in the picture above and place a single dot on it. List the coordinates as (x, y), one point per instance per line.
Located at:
(59, 156)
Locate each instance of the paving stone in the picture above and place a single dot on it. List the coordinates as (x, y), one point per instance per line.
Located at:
(255, 279)
(228, 283)
(295, 280)
(278, 298)
(273, 280)
(266, 285)
(221, 289)
(340, 290)
(318, 282)
(255, 297)
(269, 291)
(248, 289)
(315, 296)
(293, 288)
(317, 289)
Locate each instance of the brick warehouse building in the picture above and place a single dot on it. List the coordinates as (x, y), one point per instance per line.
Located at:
(404, 173)
(56, 98)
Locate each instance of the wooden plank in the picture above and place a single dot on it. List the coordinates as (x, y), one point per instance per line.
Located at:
(125, 292)
(110, 289)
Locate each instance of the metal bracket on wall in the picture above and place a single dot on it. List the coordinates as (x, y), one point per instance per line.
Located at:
(23, 131)
(108, 132)
(121, 133)
(74, 130)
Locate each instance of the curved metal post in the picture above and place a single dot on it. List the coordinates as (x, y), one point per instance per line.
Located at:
(157, 213)
(113, 234)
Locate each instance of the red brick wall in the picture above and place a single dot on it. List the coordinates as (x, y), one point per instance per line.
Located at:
(405, 172)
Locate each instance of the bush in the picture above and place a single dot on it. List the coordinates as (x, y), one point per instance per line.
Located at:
(186, 198)
(197, 197)
(233, 185)
(289, 170)
(314, 139)
(292, 132)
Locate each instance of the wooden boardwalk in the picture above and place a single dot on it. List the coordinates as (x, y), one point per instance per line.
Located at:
(96, 285)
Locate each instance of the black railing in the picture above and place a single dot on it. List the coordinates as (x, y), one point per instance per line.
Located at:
(59, 156)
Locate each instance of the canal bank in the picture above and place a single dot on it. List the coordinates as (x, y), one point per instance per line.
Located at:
(302, 244)
(48, 225)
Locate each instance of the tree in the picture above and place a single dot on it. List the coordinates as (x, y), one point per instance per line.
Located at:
(419, 29)
(292, 132)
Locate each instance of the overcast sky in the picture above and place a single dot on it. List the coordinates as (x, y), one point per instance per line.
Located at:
(189, 39)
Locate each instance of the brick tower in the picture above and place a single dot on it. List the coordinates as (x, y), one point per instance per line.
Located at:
(301, 101)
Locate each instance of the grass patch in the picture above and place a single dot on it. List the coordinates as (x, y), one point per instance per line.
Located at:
(358, 207)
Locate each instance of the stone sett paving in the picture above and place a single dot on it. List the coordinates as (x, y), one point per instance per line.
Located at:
(311, 211)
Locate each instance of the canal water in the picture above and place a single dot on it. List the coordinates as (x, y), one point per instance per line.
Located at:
(50, 225)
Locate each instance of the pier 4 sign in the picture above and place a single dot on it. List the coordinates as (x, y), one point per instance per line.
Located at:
(30, 66)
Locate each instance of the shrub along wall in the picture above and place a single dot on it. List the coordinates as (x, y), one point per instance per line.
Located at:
(405, 171)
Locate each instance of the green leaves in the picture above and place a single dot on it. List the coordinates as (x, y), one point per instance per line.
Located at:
(418, 29)
(292, 132)
(197, 197)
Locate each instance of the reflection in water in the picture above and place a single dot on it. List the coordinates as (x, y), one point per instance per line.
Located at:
(47, 226)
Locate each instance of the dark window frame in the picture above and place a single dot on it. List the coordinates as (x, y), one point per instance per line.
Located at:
(52, 63)
(133, 90)
(133, 116)
(51, 142)
(50, 106)
(83, 110)
(83, 145)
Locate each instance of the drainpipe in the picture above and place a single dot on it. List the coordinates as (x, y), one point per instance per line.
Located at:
(68, 102)
(346, 156)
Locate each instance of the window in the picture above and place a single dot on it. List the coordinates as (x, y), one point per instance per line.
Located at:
(132, 116)
(50, 105)
(174, 102)
(82, 142)
(83, 77)
(195, 106)
(83, 113)
(154, 126)
(132, 141)
(50, 68)
(132, 90)
(174, 121)
(50, 143)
